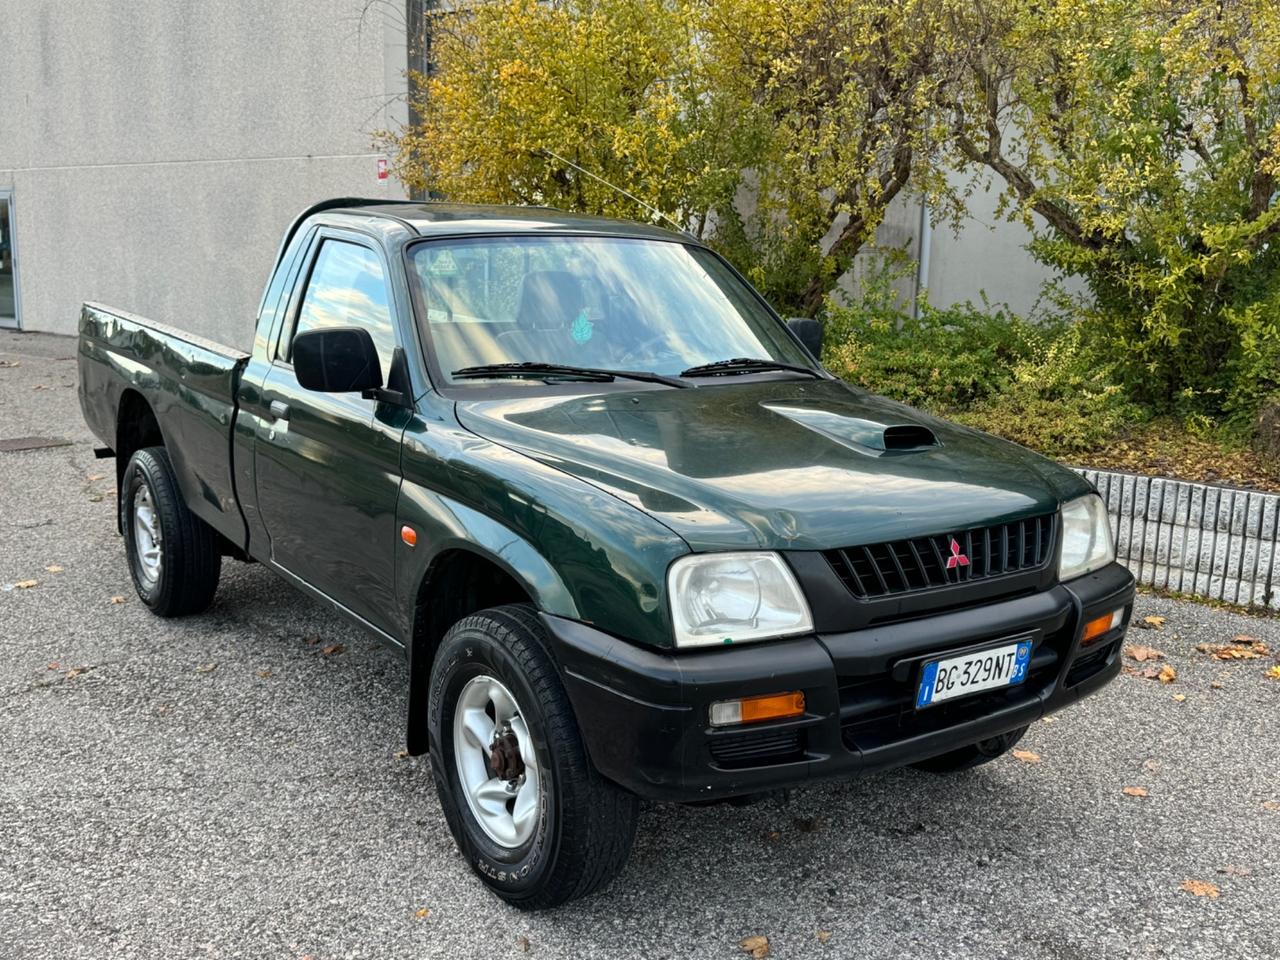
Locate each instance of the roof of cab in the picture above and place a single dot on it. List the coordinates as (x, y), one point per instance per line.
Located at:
(433, 218)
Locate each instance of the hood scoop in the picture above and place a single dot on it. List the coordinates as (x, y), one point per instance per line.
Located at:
(865, 436)
(908, 436)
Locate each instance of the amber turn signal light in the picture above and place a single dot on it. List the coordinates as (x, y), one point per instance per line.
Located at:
(775, 706)
(1099, 626)
(409, 535)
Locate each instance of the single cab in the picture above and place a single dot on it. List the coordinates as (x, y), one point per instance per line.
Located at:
(634, 541)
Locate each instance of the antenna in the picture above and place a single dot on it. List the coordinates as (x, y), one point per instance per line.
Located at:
(613, 186)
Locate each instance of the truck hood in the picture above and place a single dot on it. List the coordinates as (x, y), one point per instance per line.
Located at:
(778, 464)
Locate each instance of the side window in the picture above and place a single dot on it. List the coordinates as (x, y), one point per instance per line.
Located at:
(349, 289)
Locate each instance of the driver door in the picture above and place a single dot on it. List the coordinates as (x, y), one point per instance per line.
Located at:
(327, 465)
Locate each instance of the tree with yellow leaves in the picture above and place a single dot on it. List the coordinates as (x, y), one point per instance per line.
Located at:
(754, 124)
(1140, 140)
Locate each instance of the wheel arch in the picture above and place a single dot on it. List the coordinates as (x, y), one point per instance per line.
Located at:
(137, 426)
(461, 579)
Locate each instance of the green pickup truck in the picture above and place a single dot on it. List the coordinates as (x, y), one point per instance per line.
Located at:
(634, 541)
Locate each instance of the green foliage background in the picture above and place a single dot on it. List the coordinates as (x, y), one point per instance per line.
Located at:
(1139, 140)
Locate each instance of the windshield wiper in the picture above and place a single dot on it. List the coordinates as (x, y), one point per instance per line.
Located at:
(533, 370)
(745, 365)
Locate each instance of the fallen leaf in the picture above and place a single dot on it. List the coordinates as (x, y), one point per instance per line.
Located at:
(1237, 649)
(26, 584)
(1243, 638)
(96, 498)
(1048, 719)
(401, 754)
(53, 568)
(522, 944)
(1167, 675)
(1271, 804)
(1151, 766)
(265, 674)
(1231, 870)
(1026, 756)
(756, 946)
(1142, 654)
(55, 665)
(1273, 673)
(1200, 888)
(1153, 623)
(333, 649)
(94, 477)
(422, 913)
(1215, 685)
(9, 363)
(1135, 792)
(116, 600)
(75, 672)
(773, 836)
(206, 668)
(823, 936)
(1146, 673)
(1180, 697)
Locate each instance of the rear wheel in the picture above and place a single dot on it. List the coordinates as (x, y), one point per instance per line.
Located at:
(974, 755)
(534, 819)
(173, 554)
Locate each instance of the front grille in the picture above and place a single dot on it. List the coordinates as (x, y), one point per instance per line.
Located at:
(906, 566)
(757, 748)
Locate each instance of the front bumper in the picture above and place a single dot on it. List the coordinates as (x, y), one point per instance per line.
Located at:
(644, 714)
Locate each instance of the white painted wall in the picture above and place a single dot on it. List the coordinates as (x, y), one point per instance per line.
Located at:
(157, 149)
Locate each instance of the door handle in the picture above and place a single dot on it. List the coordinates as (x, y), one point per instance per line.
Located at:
(279, 411)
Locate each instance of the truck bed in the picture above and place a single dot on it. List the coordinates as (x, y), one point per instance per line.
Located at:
(189, 383)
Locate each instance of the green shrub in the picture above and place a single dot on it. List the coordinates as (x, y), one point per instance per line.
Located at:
(1036, 383)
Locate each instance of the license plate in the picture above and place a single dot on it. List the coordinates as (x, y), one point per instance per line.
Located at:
(968, 673)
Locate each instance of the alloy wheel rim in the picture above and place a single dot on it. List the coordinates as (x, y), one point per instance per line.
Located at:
(497, 763)
(148, 542)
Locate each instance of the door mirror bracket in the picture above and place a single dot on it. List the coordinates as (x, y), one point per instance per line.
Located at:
(384, 395)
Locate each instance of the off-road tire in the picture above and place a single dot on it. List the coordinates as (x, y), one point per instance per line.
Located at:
(974, 755)
(190, 562)
(586, 824)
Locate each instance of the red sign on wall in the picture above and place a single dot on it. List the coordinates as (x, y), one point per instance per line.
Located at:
(382, 168)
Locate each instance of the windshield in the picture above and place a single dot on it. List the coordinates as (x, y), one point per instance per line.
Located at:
(604, 303)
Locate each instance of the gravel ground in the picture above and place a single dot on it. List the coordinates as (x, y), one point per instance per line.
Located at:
(219, 787)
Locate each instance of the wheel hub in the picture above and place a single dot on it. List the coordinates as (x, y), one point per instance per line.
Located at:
(497, 762)
(147, 537)
(504, 756)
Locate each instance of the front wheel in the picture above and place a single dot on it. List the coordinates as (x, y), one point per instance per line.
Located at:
(534, 819)
(974, 755)
(173, 555)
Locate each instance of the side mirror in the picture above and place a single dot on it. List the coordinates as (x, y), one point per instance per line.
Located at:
(336, 360)
(809, 332)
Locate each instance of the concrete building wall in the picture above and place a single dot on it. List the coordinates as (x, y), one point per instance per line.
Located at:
(987, 257)
(157, 149)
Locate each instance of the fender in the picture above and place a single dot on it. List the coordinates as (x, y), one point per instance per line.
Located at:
(443, 524)
(446, 528)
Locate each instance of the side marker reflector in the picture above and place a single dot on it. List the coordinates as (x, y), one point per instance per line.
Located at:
(409, 535)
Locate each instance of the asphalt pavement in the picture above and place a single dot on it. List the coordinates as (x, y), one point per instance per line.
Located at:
(229, 785)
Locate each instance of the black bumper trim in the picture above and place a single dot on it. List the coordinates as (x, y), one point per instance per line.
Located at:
(643, 712)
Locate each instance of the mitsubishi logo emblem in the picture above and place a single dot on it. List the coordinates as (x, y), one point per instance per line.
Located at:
(957, 558)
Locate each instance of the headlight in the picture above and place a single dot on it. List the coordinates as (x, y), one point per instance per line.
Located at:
(721, 598)
(1086, 537)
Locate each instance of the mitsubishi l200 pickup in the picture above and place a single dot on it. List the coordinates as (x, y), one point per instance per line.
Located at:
(634, 541)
